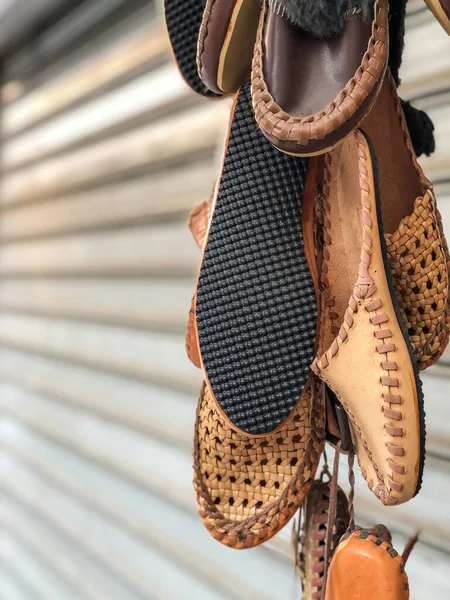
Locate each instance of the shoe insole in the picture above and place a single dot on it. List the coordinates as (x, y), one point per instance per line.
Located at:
(398, 178)
(256, 304)
(183, 20)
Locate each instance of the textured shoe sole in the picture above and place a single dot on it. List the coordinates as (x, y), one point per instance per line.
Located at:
(183, 20)
(256, 305)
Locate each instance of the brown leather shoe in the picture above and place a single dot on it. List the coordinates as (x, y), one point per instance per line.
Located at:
(368, 359)
(249, 487)
(441, 10)
(309, 93)
(416, 246)
(226, 42)
(313, 536)
(365, 565)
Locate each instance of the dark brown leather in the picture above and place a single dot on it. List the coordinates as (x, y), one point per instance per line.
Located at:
(215, 29)
(310, 93)
(445, 4)
(303, 73)
(215, 25)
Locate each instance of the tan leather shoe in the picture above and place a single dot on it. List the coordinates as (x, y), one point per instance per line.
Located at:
(365, 565)
(309, 93)
(368, 360)
(249, 487)
(441, 10)
(226, 42)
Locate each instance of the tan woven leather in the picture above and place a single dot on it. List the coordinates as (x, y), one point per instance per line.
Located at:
(367, 364)
(366, 566)
(249, 487)
(277, 123)
(419, 262)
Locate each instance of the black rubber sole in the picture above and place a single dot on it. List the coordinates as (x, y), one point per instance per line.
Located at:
(256, 304)
(183, 20)
(400, 319)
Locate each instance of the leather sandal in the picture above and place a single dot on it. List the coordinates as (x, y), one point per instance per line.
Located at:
(255, 304)
(183, 20)
(365, 565)
(441, 10)
(249, 487)
(310, 92)
(226, 43)
(368, 360)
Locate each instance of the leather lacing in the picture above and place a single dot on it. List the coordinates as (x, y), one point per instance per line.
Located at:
(364, 289)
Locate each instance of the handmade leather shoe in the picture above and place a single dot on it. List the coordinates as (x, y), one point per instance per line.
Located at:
(441, 10)
(416, 246)
(226, 42)
(365, 565)
(368, 362)
(310, 92)
(422, 291)
(249, 487)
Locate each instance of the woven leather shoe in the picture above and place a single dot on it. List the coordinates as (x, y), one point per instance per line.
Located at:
(369, 362)
(226, 42)
(308, 92)
(249, 487)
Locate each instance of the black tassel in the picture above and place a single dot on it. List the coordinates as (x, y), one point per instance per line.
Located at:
(321, 18)
(421, 129)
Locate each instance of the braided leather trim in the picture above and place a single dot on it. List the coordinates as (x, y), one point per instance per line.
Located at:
(365, 289)
(277, 123)
(248, 488)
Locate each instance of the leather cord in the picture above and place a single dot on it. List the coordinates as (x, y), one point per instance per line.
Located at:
(332, 513)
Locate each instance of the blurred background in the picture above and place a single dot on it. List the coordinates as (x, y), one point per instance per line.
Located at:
(104, 150)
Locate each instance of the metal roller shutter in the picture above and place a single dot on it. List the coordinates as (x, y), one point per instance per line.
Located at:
(104, 151)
